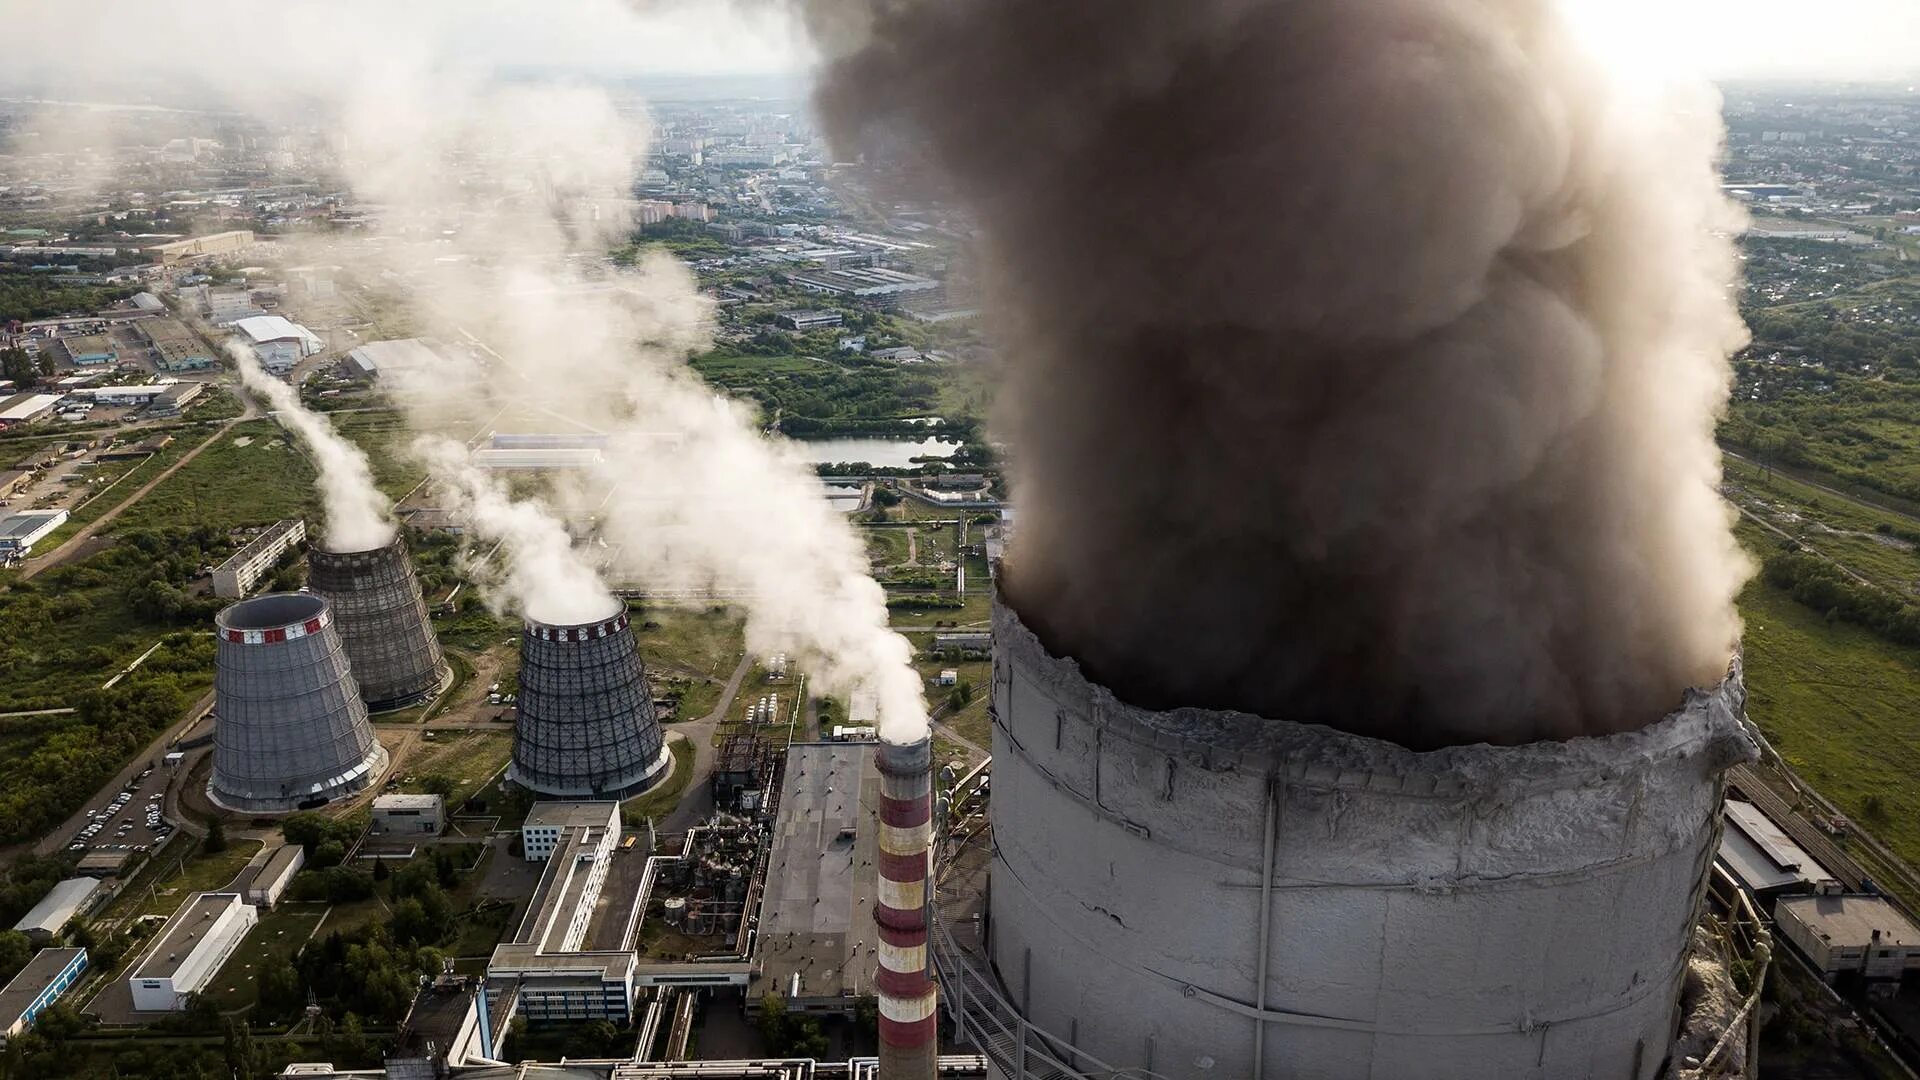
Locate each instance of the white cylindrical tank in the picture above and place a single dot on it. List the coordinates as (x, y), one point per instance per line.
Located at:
(1197, 894)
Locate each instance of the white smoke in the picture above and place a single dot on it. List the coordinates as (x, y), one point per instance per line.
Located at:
(357, 512)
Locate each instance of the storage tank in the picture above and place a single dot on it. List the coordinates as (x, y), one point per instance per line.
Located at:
(382, 619)
(1199, 894)
(586, 726)
(291, 732)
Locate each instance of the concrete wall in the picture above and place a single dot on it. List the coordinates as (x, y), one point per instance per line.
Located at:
(1474, 912)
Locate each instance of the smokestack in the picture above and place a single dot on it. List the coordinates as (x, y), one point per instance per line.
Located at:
(291, 732)
(382, 619)
(586, 727)
(909, 1004)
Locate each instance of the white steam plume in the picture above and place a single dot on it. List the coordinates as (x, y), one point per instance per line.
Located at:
(357, 512)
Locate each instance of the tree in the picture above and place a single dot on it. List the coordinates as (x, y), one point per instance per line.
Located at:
(15, 950)
(438, 784)
(216, 840)
(16, 365)
(46, 364)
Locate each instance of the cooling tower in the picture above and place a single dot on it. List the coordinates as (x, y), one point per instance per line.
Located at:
(586, 726)
(291, 730)
(1191, 894)
(383, 621)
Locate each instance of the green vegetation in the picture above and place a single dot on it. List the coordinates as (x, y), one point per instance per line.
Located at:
(662, 799)
(178, 873)
(36, 296)
(252, 476)
(789, 1035)
(118, 482)
(57, 762)
(457, 764)
(26, 881)
(267, 951)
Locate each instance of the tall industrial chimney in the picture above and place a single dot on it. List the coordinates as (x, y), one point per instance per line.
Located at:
(291, 732)
(586, 726)
(383, 621)
(909, 1018)
(1197, 895)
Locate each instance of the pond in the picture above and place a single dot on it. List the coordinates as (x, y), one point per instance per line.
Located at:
(883, 452)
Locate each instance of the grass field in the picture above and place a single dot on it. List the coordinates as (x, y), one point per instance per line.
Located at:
(661, 800)
(384, 437)
(469, 758)
(1842, 707)
(251, 476)
(183, 869)
(278, 933)
(1865, 538)
(693, 652)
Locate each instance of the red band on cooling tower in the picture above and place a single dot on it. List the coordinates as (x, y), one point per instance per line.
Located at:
(903, 867)
(906, 813)
(903, 937)
(917, 1033)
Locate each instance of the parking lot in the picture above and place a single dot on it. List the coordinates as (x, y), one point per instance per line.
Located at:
(129, 821)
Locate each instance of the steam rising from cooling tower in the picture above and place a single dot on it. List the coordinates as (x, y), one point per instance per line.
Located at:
(357, 513)
(1364, 356)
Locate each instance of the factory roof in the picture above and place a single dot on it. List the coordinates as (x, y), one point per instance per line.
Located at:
(551, 458)
(264, 328)
(817, 917)
(184, 933)
(61, 904)
(573, 813)
(1850, 921)
(400, 352)
(146, 301)
(408, 802)
(1760, 855)
(28, 406)
(28, 523)
(33, 980)
(276, 868)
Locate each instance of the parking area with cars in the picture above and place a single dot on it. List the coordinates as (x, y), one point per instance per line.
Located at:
(131, 821)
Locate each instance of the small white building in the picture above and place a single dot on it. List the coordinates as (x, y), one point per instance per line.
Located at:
(272, 880)
(278, 342)
(19, 532)
(1850, 933)
(948, 677)
(190, 950)
(408, 815)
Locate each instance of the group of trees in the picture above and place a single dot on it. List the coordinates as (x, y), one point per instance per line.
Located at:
(26, 295)
(25, 370)
(789, 1035)
(1820, 585)
(45, 784)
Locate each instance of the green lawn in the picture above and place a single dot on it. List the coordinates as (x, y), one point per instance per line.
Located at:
(385, 439)
(253, 475)
(278, 933)
(183, 869)
(1873, 542)
(661, 800)
(469, 758)
(1842, 707)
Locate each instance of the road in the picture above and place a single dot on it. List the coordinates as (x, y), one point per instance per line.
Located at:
(696, 805)
(59, 556)
(62, 835)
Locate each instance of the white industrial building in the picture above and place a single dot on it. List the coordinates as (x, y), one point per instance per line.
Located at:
(1864, 934)
(1763, 859)
(237, 576)
(278, 343)
(190, 950)
(19, 532)
(26, 408)
(553, 458)
(272, 880)
(137, 394)
(545, 960)
(56, 909)
(408, 815)
(402, 354)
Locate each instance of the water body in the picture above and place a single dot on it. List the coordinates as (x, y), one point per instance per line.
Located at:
(894, 452)
(843, 497)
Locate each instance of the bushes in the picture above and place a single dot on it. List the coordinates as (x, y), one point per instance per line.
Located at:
(1821, 586)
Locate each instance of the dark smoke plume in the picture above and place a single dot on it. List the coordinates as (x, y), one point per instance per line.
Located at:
(1364, 356)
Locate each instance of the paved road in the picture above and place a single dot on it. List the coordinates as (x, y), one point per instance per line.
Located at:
(60, 555)
(697, 804)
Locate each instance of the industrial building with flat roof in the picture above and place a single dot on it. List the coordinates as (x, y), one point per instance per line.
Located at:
(50, 916)
(89, 350)
(47, 976)
(545, 962)
(26, 408)
(221, 243)
(1841, 933)
(864, 283)
(408, 815)
(278, 343)
(174, 347)
(818, 946)
(190, 950)
(237, 576)
(367, 360)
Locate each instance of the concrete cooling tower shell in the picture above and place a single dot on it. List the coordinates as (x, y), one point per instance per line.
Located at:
(382, 619)
(291, 732)
(1207, 894)
(586, 726)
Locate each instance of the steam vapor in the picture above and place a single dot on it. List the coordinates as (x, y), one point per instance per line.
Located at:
(357, 517)
(1364, 356)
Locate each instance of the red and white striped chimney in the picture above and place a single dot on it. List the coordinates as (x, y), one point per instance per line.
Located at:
(909, 1004)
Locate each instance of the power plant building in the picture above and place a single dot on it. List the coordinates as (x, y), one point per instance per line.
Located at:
(291, 732)
(46, 919)
(189, 951)
(47, 976)
(382, 619)
(408, 815)
(1191, 894)
(586, 728)
(546, 962)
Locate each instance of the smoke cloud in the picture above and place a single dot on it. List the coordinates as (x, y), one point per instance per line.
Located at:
(357, 512)
(1364, 357)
